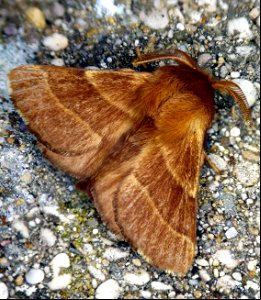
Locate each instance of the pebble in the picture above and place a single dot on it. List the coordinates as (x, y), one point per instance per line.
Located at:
(235, 74)
(225, 283)
(34, 276)
(47, 237)
(156, 19)
(202, 262)
(247, 173)
(96, 273)
(209, 5)
(60, 282)
(204, 58)
(254, 13)
(218, 161)
(58, 9)
(19, 280)
(56, 42)
(237, 276)
(248, 89)
(235, 132)
(59, 62)
(204, 275)
(109, 289)
(251, 266)
(240, 26)
(225, 257)
(159, 286)
(113, 254)
(20, 227)
(61, 260)
(3, 291)
(252, 285)
(140, 278)
(231, 233)
(145, 294)
(197, 294)
(36, 17)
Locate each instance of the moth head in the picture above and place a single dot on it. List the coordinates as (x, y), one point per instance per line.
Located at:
(224, 86)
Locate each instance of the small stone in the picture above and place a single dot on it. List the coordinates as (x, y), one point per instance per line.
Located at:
(180, 27)
(254, 13)
(204, 275)
(55, 42)
(251, 156)
(58, 9)
(34, 276)
(36, 17)
(248, 89)
(240, 26)
(96, 273)
(231, 233)
(225, 284)
(136, 262)
(235, 74)
(19, 280)
(113, 254)
(197, 294)
(139, 278)
(251, 266)
(218, 161)
(20, 227)
(247, 173)
(60, 282)
(237, 276)
(4, 262)
(204, 58)
(47, 237)
(235, 132)
(156, 19)
(145, 294)
(159, 286)
(3, 291)
(59, 62)
(252, 285)
(61, 260)
(216, 273)
(26, 177)
(202, 262)
(225, 257)
(209, 5)
(109, 289)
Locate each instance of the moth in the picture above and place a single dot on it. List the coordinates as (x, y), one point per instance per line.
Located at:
(133, 139)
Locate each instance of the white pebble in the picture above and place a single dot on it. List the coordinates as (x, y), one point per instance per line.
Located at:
(47, 237)
(113, 254)
(231, 233)
(61, 260)
(156, 19)
(218, 161)
(247, 173)
(251, 266)
(96, 273)
(20, 227)
(237, 276)
(56, 42)
(60, 282)
(209, 5)
(240, 26)
(235, 74)
(252, 285)
(34, 276)
(248, 89)
(204, 275)
(145, 294)
(202, 262)
(109, 289)
(57, 62)
(3, 291)
(235, 132)
(225, 283)
(225, 257)
(159, 286)
(180, 27)
(140, 278)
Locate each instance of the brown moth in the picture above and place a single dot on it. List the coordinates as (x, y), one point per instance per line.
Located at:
(134, 140)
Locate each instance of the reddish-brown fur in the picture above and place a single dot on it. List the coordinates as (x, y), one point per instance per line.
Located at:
(135, 141)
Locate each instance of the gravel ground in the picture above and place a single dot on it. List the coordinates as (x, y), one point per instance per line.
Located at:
(52, 241)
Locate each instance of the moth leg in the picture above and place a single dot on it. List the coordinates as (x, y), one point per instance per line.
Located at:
(138, 53)
(212, 165)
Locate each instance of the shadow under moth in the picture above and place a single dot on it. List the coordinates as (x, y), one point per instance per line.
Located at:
(133, 139)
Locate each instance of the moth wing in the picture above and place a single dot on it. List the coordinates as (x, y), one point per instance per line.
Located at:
(77, 115)
(152, 185)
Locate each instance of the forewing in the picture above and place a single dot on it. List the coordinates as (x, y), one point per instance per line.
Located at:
(153, 210)
(77, 115)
